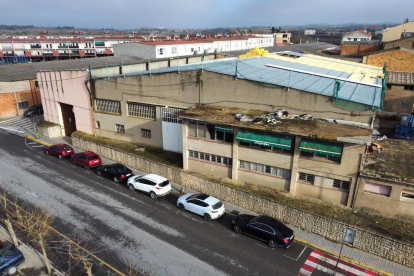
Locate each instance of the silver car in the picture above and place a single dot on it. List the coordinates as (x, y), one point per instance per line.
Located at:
(152, 184)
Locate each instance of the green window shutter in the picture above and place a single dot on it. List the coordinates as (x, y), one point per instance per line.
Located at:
(225, 129)
(265, 139)
(321, 147)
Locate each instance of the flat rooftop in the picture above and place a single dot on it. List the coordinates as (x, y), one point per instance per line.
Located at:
(27, 71)
(317, 129)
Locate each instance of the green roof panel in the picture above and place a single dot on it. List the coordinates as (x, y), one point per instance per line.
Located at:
(321, 147)
(265, 139)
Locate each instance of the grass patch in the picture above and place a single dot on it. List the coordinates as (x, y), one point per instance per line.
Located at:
(47, 124)
(169, 158)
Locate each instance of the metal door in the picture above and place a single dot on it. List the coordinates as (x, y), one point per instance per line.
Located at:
(172, 130)
(68, 119)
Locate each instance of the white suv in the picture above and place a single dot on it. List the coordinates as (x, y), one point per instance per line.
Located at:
(152, 184)
(204, 205)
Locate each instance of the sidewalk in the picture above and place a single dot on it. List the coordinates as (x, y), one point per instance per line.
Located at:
(356, 256)
(34, 263)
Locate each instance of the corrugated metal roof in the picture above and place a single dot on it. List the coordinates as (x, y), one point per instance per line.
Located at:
(256, 69)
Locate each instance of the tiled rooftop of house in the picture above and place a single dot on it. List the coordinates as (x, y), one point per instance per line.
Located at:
(307, 128)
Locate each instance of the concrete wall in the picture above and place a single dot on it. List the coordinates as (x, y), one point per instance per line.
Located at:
(333, 230)
(25, 91)
(51, 132)
(403, 43)
(398, 60)
(393, 205)
(396, 95)
(67, 87)
(135, 49)
(359, 49)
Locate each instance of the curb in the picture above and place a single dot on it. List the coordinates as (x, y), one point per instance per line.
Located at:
(37, 140)
(345, 258)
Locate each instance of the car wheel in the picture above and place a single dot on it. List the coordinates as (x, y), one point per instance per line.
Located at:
(272, 243)
(12, 270)
(47, 152)
(60, 156)
(116, 180)
(85, 167)
(207, 216)
(153, 195)
(131, 187)
(237, 229)
(181, 206)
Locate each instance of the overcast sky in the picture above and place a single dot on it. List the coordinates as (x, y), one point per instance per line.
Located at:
(131, 14)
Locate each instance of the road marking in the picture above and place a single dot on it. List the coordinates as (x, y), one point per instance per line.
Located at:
(298, 256)
(31, 143)
(61, 161)
(12, 129)
(99, 177)
(38, 146)
(260, 245)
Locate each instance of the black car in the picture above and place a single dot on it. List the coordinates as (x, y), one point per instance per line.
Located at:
(264, 228)
(34, 110)
(117, 172)
(10, 259)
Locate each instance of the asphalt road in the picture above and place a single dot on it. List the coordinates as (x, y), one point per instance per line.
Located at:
(123, 224)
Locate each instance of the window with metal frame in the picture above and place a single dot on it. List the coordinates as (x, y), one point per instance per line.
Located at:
(308, 178)
(119, 128)
(146, 132)
(341, 184)
(404, 104)
(24, 104)
(141, 110)
(210, 157)
(407, 195)
(378, 189)
(108, 106)
(266, 169)
(167, 115)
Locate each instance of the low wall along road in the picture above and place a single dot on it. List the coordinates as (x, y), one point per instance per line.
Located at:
(333, 230)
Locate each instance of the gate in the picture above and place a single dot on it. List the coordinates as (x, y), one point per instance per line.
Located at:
(68, 118)
(172, 130)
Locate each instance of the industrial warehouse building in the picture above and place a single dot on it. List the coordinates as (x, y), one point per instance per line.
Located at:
(318, 158)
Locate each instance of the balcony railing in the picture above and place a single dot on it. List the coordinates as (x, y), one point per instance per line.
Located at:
(74, 46)
(63, 54)
(89, 54)
(63, 46)
(35, 46)
(48, 54)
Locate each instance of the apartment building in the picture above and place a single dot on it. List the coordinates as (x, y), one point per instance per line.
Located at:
(178, 48)
(44, 48)
(398, 32)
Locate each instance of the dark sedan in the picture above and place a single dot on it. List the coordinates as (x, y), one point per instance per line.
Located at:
(117, 172)
(60, 150)
(10, 259)
(264, 228)
(34, 111)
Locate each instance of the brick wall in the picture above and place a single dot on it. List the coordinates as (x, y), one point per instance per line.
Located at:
(333, 230)
(355, 50)
(398, 60)
(8, 102)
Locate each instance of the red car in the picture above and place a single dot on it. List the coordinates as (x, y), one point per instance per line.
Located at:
(60, 150)
(87, 159)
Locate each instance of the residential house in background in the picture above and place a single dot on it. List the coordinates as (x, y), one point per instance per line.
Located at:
(399, 98)
(309, 32)
(398, 32)
(406, 42)
(356, 36)
(282, 38)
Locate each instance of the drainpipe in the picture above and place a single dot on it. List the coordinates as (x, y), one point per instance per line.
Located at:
(15, 99)
(93, 115)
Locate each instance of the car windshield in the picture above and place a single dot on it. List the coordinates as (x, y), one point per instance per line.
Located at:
(66, 148)
(6, 253)
(163, 184)
(218, 205)
(93, 157)
(199, 196)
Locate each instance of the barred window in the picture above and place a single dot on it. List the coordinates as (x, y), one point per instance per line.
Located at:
(167, 115)
(108, 106)
(305, 177)
(146, 133)
(141, 110)
(264, 169)
(210, 157)
(341, 184)
(119, 128)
